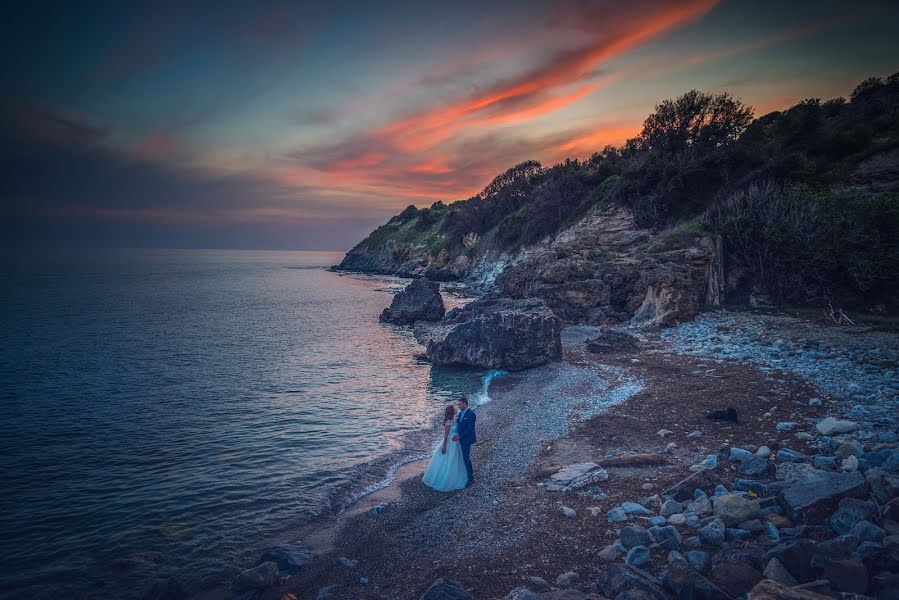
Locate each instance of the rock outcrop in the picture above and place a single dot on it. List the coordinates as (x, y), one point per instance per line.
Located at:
(389, 258)
(418, 301)
(605, 269)
(403, 259)
(494, 333)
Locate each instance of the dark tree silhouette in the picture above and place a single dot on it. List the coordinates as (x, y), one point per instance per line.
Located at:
(695, 120)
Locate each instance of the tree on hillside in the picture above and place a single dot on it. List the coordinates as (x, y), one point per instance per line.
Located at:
(695, 120)
(516, 175)
(679, 160)
(868, 85)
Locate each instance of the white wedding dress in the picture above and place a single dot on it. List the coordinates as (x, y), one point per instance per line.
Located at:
(447, 471)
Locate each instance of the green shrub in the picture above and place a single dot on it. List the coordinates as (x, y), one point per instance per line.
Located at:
(803, 244)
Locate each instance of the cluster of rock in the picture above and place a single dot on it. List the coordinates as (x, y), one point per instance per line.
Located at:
(494, 333)
(789, 525)
(605, 269)
(491, 333)
(274, 565)
(849, 364)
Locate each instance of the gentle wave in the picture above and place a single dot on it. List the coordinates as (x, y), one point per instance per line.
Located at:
(380, 485)
(483, 395)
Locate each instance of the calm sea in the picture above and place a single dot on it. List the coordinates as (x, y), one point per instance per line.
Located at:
(166, 413)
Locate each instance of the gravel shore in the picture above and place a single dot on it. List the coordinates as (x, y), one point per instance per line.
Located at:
(507, 529)
(855, 366)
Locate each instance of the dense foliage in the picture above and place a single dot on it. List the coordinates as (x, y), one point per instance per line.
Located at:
(807, 199)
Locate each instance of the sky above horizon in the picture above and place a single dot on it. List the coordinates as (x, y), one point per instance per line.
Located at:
(296, 125)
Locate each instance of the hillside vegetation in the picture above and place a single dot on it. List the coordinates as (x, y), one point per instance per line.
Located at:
(806, 200)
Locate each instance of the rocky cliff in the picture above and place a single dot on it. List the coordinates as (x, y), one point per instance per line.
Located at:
(605, 269)
(800, 205)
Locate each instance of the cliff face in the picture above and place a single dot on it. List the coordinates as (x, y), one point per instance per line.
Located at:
(602, 270)
(408, 246)
(389, 258)
(606, 270)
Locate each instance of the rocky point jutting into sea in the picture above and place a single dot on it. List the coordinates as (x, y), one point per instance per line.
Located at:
(702, 373)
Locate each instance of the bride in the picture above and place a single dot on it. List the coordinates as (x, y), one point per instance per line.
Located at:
(447, 469)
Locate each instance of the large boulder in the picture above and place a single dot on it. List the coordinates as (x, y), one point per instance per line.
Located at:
(686, 582)
(610, 341)
(735, 577)
(631, 582)
(847, 575)
(796, 557)
(832, 426)
(494, 333)
(418, 301)
(446, 589)
(850, 512)
(733, 509)
(815, 498)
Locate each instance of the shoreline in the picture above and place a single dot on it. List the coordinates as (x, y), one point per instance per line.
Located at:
(508, 519)
(322, 540)
(386, 474)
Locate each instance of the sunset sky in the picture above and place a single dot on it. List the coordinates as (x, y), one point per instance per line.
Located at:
(303, 125)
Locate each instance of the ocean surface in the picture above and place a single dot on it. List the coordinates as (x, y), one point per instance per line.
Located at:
(169, 413)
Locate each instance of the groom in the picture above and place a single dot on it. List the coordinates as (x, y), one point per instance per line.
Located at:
(466, 436)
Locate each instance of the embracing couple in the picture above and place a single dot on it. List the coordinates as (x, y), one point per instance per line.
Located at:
(450, 467)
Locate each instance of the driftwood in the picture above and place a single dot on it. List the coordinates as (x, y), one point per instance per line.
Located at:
(836, 316)
(633, 460)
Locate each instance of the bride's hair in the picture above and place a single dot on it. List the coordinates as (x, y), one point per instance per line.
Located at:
(449, 413)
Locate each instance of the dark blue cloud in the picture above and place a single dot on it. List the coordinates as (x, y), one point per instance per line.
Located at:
(61, 182)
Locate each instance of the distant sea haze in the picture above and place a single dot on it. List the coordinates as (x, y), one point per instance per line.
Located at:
(169, 413)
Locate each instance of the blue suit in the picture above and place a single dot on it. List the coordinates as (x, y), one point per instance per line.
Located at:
(466, 431)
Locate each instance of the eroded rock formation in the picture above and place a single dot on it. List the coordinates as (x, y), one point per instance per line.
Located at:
(605, 269)
(494, 333)
(418, 301)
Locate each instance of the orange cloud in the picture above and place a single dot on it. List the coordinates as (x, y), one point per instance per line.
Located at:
(595, 139)
(414, 155)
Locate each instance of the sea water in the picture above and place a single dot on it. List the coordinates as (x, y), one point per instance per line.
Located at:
(164, 413)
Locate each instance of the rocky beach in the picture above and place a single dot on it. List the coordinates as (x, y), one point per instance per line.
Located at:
(701, 359)
(603, 475)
